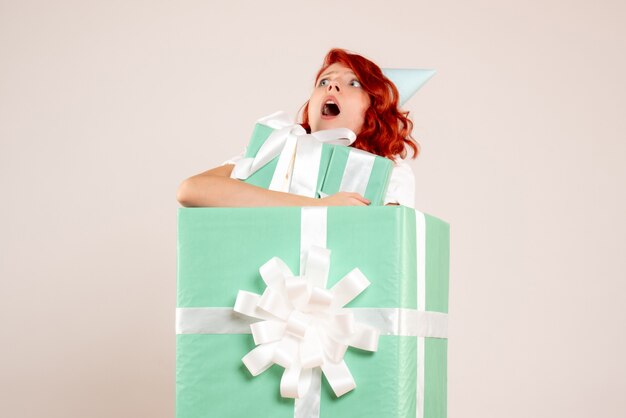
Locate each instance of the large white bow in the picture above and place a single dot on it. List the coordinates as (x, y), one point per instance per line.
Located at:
(300, 154)
(304, 324)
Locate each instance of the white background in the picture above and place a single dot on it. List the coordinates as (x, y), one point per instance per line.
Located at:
(105, 107)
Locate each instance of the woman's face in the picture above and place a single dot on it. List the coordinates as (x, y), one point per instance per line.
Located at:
(338, 101)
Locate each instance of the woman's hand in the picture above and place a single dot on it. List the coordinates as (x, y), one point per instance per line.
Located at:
(344, 199)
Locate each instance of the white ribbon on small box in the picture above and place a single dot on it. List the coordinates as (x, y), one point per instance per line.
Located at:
(299, 154)
(285, 336)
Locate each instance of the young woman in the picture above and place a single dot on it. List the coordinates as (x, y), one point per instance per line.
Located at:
(350, 92)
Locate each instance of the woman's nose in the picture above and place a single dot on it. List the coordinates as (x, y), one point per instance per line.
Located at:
(333, 84)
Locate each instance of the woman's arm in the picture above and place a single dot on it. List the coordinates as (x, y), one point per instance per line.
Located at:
(215, 188)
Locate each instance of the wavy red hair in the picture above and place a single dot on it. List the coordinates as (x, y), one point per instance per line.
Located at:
(386, 129)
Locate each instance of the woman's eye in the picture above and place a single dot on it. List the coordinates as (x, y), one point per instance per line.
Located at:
(355, 83)
(323, 82)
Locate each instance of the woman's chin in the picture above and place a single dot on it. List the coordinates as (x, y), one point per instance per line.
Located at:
(329, 123)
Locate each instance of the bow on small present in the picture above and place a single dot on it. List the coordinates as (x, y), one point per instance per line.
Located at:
(300, 154)
(304, 324)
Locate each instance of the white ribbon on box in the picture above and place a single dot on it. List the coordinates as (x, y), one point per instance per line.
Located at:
(299, 154)
(371, 321)
(304, 325)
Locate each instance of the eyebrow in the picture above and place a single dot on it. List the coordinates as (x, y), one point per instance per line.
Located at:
(334, 72)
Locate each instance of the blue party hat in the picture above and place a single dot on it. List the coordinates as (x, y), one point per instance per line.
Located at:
(407, 80)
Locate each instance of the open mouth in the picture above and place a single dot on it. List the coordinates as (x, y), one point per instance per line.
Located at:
(330, 108)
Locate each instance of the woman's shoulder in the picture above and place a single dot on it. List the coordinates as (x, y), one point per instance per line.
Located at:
(401, 189)
(234, 159)
(401, 166)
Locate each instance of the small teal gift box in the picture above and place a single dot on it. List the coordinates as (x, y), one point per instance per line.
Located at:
(282, 156)
(403, 253)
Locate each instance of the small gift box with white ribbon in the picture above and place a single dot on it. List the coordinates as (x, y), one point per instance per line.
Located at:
(281, 156)
(311, 312)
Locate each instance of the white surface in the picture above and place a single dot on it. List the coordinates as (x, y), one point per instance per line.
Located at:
(105, 107)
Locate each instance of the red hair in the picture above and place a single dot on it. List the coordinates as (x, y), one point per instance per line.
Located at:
(386, 129)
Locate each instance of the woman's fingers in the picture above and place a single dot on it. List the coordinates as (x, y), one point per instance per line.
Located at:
(362, 199)
(345, 199)
(358, 198)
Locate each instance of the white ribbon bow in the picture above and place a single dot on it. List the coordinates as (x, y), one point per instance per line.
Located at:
(303, 324)
(300, 154)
